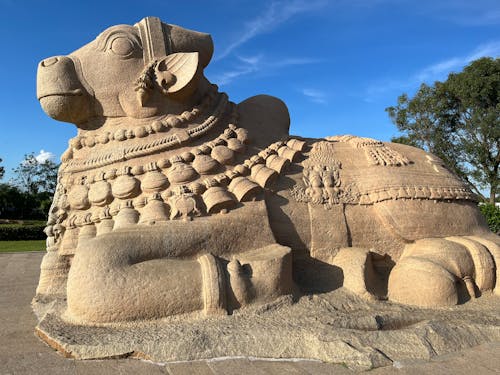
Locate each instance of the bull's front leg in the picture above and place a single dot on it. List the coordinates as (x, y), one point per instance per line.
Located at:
(116, 278)
(135, 275)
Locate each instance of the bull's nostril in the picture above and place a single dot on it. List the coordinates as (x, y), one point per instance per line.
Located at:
(50, 61)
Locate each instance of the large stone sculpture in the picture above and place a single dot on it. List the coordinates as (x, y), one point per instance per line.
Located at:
(172, 199)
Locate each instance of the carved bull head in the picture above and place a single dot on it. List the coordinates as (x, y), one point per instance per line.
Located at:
(140, 71)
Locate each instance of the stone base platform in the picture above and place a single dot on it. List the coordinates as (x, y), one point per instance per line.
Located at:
(349, 333)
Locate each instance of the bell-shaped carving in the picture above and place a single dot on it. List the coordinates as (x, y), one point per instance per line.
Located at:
(105, 221)
(288, 153)
(126, 187)
(155, 210)
(180, 173)
(263, 175)
(222, 154)
(154, 181)
(243, 189)
(100, 193)
(277, 163)
(69, 241)
(204, 164)
(78, 197)
(105, 226)
(217, 199)
(87, 231)
(235, 144)
(126, 217)
(296, 144)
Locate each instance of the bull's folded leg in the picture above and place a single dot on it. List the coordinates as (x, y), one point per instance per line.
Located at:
(151, 289)
(109, 285)
(442, 272)
(420, 282)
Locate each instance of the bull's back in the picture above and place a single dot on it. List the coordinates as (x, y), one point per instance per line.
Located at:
(358, 192)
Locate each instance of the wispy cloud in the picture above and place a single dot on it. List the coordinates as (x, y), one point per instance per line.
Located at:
(247, 65)
(314, 95)
(442, 68)
(277, 13)
(431, 73)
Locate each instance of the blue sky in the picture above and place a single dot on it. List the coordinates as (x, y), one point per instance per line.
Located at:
(337, 64)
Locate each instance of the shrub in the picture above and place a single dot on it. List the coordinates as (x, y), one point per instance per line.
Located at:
(492, 215)
(17, 232)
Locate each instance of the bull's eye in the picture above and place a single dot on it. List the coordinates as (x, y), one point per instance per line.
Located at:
(122, 46)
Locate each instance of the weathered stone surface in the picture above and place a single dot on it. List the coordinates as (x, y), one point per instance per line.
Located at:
(175, 207)
(22, 353)
(335, 327)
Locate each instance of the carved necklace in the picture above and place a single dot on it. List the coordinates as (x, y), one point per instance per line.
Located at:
(184, 185)
(127, 152)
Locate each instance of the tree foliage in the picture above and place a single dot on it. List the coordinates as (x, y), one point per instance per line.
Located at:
(459, 121)
(492, 215)
(2, 170)
(36, 177)
(29, 194)
(17, 204)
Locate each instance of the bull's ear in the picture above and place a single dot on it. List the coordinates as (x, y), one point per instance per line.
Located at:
(177, 74)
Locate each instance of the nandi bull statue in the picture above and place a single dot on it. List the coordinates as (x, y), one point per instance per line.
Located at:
(172, 199)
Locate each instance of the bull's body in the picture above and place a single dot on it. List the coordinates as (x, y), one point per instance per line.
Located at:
(161, 209)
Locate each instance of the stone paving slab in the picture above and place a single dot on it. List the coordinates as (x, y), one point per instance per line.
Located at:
(22, 353)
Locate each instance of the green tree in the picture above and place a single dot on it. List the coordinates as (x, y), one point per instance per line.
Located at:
(476, 94)
(35, 177)
(2, 170)
(459, 121)
(17, 204)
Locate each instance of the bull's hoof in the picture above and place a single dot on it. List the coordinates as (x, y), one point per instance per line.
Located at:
(260, 276)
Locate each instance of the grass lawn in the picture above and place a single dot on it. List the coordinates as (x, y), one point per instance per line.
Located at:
(7, 246)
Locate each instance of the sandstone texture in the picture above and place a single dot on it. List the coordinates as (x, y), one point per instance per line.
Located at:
(185, 226)
(22, 353)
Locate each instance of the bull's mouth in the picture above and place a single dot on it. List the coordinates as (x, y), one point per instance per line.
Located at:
(75, 92)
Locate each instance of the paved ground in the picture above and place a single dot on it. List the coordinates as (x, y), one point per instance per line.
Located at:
(22, 353)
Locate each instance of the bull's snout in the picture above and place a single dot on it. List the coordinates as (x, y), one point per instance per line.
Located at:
(60, 92)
